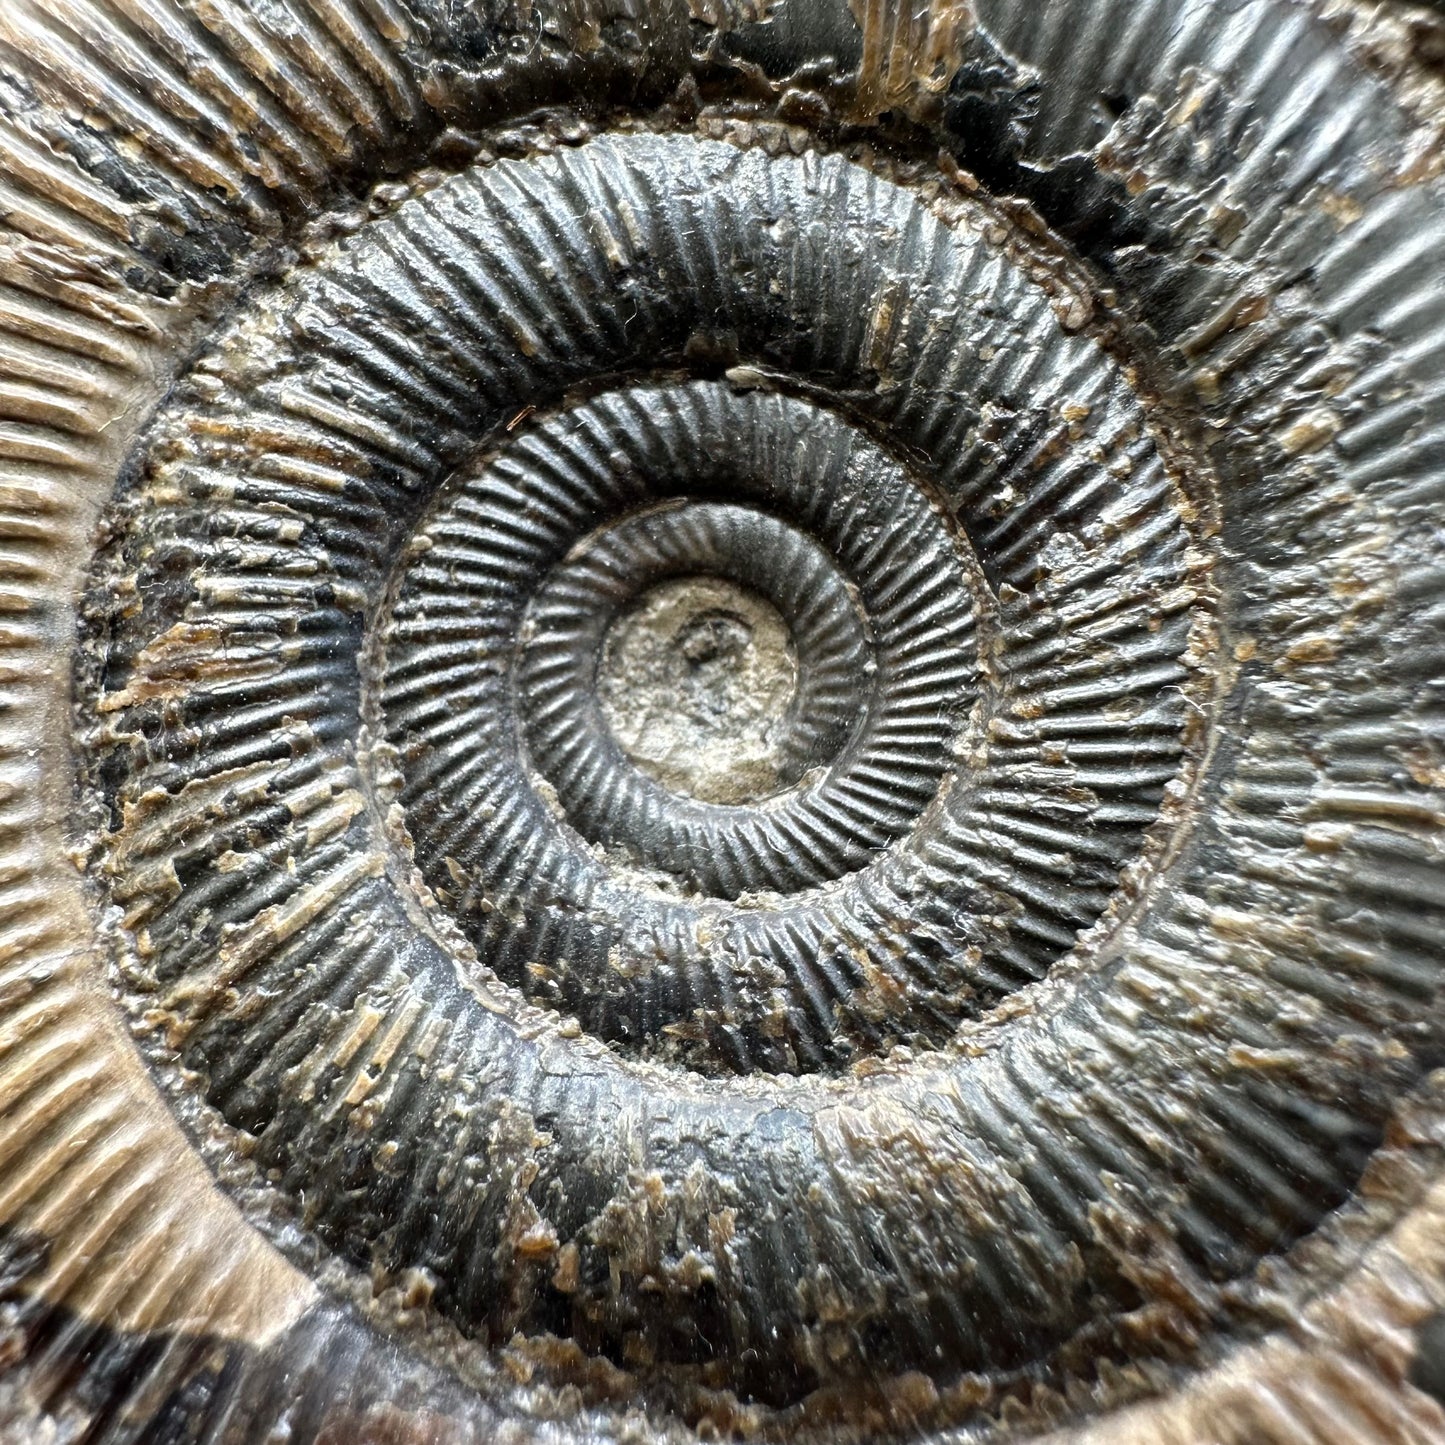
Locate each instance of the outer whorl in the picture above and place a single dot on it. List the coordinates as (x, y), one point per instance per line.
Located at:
(721, 721)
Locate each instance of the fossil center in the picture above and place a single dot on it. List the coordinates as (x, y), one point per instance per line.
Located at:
(696, 682)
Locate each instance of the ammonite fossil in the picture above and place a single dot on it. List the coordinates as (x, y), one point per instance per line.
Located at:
(722, 721)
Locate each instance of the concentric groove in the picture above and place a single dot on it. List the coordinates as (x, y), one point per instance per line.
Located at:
(571, 617)
(993, 881)
(914, 689)
(1248, 191)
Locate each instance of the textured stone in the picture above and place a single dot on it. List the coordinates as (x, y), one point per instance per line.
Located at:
(721, 720)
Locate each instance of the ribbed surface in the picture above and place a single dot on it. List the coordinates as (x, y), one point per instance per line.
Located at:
(1088, 1180)
(1085, 546)
(885, 713)
(893, 703)
(568, 678)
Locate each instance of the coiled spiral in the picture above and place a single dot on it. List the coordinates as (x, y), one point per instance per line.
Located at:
(752, 725)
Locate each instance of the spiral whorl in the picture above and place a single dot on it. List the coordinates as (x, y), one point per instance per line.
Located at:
(750, 735)
(996, 611)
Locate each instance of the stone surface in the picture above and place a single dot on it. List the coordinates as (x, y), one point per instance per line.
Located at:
(721, 721)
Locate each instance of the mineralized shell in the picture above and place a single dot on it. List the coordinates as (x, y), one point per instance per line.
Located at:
(721, 721)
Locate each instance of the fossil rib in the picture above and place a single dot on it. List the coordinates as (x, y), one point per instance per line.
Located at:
(740, 728)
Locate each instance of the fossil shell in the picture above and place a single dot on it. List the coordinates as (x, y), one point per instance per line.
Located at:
(721, 721)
